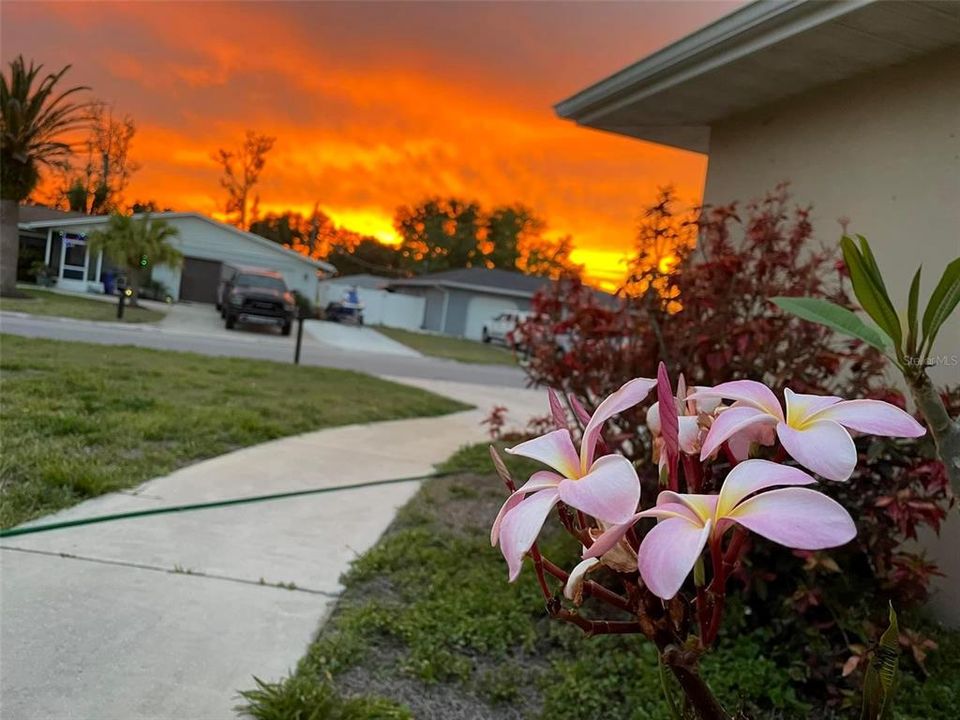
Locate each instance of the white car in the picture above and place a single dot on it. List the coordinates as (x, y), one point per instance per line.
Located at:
(504, 328)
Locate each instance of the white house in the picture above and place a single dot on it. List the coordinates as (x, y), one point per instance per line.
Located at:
(855, 103)
(206, 245)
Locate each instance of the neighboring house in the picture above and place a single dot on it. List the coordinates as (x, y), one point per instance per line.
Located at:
(381, 306)
(856, 104)
(461, 302)
(206, 245)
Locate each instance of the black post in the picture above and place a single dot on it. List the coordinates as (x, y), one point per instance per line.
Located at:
(122, 288)
(296, 356)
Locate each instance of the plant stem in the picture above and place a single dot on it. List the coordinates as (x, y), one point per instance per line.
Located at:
(683, 666)
(945, 431)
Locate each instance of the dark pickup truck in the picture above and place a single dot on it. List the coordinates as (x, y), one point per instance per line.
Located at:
(258, 297)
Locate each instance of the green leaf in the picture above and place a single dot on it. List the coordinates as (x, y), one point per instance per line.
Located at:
(833, 316)
(880, 680)
(942, 302)
(871, 294)
(870, 262)
(912, 302)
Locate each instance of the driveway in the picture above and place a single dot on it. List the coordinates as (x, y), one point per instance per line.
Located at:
(168, 616)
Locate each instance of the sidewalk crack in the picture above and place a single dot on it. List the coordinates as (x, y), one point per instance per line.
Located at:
(175, 570)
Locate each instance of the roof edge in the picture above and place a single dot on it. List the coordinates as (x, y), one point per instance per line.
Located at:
(742, 32)
(462, 286)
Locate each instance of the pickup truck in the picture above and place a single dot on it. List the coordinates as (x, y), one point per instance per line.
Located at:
(258, 297)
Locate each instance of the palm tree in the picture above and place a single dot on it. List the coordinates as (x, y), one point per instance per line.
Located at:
(135, 244)
(32, 121)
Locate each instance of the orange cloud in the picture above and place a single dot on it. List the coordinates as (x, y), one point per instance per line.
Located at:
(376, 105)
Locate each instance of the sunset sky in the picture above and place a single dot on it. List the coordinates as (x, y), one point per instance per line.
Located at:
(377, 104)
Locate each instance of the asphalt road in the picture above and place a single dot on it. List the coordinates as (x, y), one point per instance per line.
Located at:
(260, 346)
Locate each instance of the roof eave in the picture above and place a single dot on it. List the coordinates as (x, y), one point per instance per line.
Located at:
(734, 36)
(716, 44)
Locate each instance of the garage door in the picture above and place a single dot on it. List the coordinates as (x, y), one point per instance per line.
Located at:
(481, 310)
(199, 279)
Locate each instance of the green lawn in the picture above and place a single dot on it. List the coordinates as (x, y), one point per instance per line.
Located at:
(42, 302)
(428, 627)
(451, 348)
(80, 420)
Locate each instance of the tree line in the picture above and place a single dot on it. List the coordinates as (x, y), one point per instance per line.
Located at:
(436, 234)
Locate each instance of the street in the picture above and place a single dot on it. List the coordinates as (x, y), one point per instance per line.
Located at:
(260, 346)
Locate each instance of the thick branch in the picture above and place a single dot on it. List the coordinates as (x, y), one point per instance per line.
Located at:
(945, 431)
(683, 666)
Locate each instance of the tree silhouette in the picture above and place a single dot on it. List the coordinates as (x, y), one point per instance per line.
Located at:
(33, 120)
(241, 172)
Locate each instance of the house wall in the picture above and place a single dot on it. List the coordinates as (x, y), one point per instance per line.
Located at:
(201, 239)
(884, 151)
(465, 302)
(454, 319)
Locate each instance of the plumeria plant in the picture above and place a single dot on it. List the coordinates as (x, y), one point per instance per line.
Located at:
(906, 339)
(732, 461)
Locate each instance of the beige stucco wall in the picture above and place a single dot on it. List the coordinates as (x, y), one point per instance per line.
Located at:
(884, 151)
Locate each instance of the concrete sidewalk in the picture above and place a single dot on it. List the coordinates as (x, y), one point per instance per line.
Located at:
(168, 616)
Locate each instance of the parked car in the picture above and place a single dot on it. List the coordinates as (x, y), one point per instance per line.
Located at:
(506, 328)
(258, 297)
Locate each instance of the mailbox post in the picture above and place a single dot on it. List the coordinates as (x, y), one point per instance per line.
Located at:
(122, 293)
(301, 315)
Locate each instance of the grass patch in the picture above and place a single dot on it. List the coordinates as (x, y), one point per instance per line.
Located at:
(80, 420)
(451, 348)
(42, 302)
(429, 622)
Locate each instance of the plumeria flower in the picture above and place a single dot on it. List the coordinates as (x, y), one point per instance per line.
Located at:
(690, 431)
(815, 428)
(797, 517)
(606, 488)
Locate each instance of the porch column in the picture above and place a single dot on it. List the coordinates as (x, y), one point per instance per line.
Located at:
(46, 254)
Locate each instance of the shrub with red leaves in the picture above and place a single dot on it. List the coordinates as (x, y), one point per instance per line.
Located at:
(705, 311)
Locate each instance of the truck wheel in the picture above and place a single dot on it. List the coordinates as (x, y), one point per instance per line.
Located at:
(231, 321)
(285, 330)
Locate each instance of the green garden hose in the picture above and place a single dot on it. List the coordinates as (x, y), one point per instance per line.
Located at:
(29, 530)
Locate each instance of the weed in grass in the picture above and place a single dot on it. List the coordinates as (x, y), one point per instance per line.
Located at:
(299, 698)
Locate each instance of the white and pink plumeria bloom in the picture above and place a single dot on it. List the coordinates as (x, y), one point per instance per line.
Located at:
(690, 434)
(606, 488)
(814, 430)
(796, 517)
